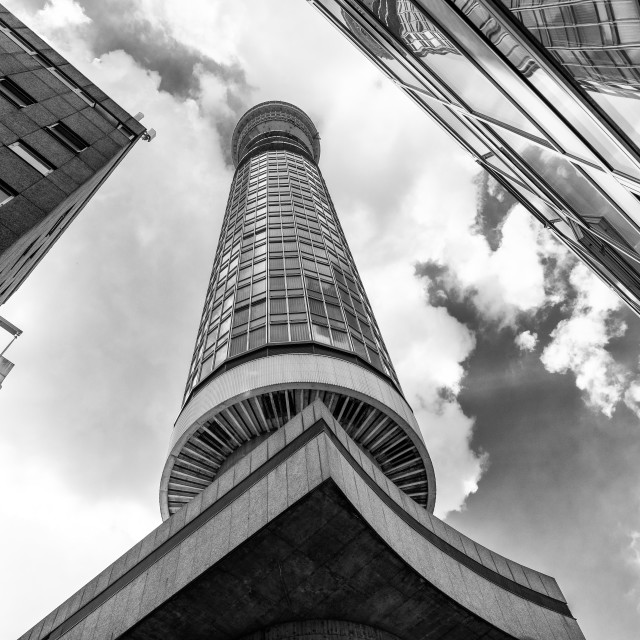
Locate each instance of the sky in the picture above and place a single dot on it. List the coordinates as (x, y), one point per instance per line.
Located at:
(522, 367)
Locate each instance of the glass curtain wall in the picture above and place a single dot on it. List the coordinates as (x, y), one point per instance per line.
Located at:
(596, 41)
(574, 165)
(283, 273)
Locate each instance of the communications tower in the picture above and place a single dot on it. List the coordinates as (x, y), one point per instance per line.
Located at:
(298, 493)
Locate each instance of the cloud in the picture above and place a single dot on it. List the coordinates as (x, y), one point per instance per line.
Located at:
(508, 272)
(184, 71)
(58, 16)
(579, 343)
(554, 462)
(428, 345)
(61, 514)
(493, 206)
(526, 341)
(220, 89)
(632, 397)
(634, 548)
(428, 348)
(496, 286)
(148, 257)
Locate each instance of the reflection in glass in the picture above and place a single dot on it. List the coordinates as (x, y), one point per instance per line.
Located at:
(458, 75)
(472, 65)
(582, 195)
(596, 41)
(562, 99)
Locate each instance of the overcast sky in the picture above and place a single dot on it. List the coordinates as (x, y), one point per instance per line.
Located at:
(521, 366)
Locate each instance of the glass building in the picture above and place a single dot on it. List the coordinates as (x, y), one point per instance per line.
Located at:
(284, 282)
(597, 41)
(541, 125)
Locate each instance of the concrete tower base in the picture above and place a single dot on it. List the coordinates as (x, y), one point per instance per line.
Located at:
(320, 630)
(305, 528)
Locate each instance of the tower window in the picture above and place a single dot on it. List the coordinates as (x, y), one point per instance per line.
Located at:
(67, 137)
(32, 157)
(15, 94)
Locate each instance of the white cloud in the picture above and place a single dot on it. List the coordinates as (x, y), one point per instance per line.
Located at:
(59, 22)
(70, 539)
(511, 281)
(632, 397)
(517, 266)
(428, 348)
(59, 14)
(634, 548)
(526, 341)
(229, 21)
(579, 343)
(504, 283)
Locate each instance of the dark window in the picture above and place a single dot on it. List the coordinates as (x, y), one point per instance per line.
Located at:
(6, 193)
(279, 333)
(69, 138)
(14, 94)
(299, 332)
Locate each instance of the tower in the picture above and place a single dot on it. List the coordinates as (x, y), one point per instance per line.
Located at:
(286, 320)
(297, 496)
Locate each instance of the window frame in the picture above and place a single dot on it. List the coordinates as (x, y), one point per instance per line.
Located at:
(15, 94)
(67, 137)
(32, 157)
(10, 193)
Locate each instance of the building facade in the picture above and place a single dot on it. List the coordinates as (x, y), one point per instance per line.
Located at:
(597, 42)
(544, 127)
(298, 494)
(60, 138)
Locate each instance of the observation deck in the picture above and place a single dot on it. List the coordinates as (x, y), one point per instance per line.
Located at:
(271, 125)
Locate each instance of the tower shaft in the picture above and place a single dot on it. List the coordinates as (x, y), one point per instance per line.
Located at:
(286, 321)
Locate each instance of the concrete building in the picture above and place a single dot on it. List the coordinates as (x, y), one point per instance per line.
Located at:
(556, 125)
(298, 493)
(5, 364)
(60, 138)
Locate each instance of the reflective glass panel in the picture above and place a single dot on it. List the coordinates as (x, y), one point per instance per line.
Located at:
(455, 70)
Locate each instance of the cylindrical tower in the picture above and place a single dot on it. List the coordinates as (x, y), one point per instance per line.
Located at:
(286, 320)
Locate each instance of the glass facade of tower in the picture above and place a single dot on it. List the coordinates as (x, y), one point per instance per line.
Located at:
(283, 272)
(570, 156)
